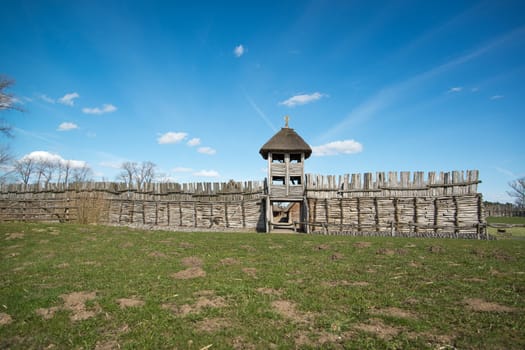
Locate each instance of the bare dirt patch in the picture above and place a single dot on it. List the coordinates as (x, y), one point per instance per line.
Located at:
(394, 312)
(126, 245)
(337, 256)
(475, 304)
(199, 305)
(436, 249)
(322, 247)
(212, 325)
(130, 302)
(248, 247)
(107, 345)
(288, 310)
(189, 273)
(192, 261)
(63, 265)
(14, 235)
(74, 302)
(250, 271)
(344, 283)
(362, 244)
(385, 251)
(5, 319)
(229, 261)
(269, 291)
(157, 255)
(239, 343)
(378, 328)
(186, 245)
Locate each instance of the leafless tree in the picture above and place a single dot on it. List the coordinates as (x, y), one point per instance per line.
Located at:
(145, 174)
(127, 175)
(45, 171)
(24, 169)
(81, 174)
(137, 174)
(7, 102)
(518, 191)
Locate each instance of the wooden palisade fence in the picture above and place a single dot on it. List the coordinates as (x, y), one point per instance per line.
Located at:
(438, 205)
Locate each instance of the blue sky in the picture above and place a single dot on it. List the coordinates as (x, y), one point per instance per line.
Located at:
(198, 87)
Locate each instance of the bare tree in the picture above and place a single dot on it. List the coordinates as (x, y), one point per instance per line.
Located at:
(81, 174)
(518, 192)
(128, 172)
(7, 102)
(145, 174)
(24, 169)
(45, 170)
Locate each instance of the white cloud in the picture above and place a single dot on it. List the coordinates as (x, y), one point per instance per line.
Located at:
(194, 142)
(207, 173)
(44, 156)
(112, 164)
(66, 126)
(496, 97)
(46, 98)
(337, 147)
(302, 99)
(207, 150)
(106, 108)
(68, 99)
(455, 89)
(180, 169)
(172, 137)
(238, 51)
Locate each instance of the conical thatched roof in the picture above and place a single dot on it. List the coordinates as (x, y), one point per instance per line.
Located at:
(286, 141)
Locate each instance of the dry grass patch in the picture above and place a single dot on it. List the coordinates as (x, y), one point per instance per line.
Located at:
(212, 325)
(157, 255)
(74, 302)
(5, 319)
(14, 235)
(229, 261)
(394, 312)
(288, 310)
(362, 244)
(250, 271)
(378, 328)
(130, 302)
(481, 305)
(192, 261)
(189, 273)
(206, 299)
(269, 291)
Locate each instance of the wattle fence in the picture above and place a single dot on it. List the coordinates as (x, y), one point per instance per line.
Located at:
(442, 204)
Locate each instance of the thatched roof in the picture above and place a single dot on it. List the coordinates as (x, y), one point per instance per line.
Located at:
(286, 141)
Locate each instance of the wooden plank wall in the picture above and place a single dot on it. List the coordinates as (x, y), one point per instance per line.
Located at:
(408, 204)
(395, 203)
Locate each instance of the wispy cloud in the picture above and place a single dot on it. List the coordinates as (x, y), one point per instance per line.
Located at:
(455, 89)
(496, 97)
(259, 112)
(206, 150)
(238, 51)
(337, 147)
(68, 99)
(194, 142)
(172, 137)
(392, 93)
(506, 172)
(66, 126)
(182, 170)
(207, 173)
(46, 98)
(302, 99)
(106, 108)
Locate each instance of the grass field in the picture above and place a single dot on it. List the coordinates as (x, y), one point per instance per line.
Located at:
(95, 287)
(511, 232)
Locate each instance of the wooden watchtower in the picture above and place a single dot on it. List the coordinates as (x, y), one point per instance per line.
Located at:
(285, 152)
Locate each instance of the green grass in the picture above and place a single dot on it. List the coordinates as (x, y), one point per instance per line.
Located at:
(260, 291)
(510, 232)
